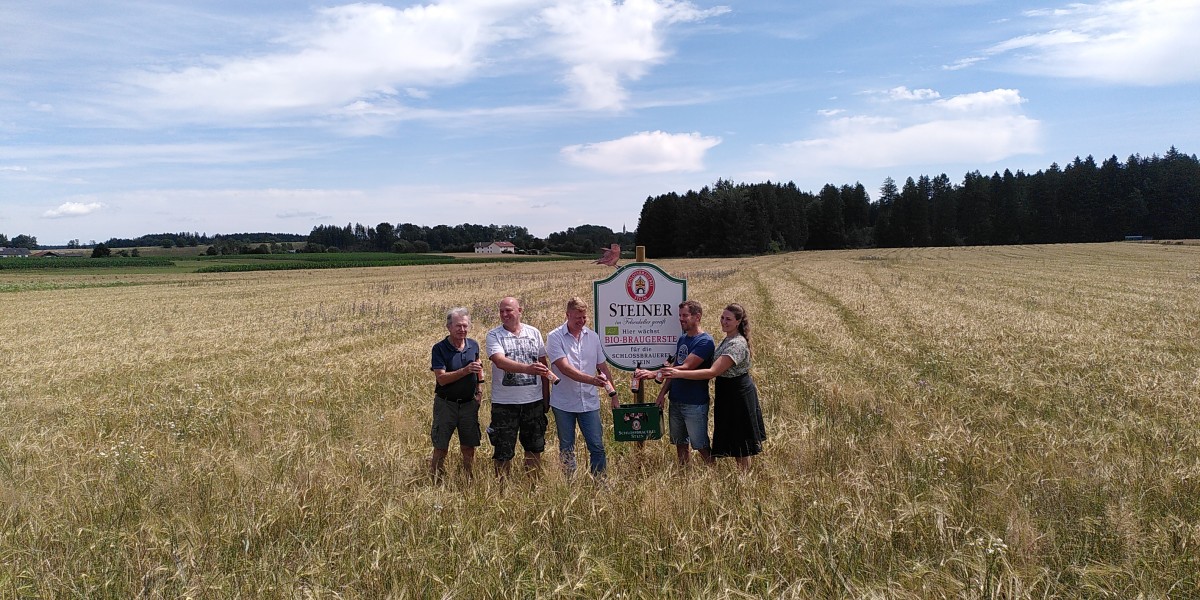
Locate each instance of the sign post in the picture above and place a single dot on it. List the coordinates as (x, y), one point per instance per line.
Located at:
(636, 315)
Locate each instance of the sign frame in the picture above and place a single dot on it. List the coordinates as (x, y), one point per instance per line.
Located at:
(639, 296)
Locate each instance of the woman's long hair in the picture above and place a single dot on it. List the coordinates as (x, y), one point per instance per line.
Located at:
(743, 320)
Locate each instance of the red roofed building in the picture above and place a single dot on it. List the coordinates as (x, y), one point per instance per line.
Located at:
(495, 248)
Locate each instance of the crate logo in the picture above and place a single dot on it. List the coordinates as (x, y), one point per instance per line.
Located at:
(640, 285)
(635, 420)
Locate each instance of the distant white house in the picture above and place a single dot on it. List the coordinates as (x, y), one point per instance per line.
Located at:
(495, 248)
(14, 252)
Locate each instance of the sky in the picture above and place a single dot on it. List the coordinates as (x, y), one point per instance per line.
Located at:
(119, 119)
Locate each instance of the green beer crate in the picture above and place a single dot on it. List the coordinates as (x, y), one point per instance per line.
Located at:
(637, 422)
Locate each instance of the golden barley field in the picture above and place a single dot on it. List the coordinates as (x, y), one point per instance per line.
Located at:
(1001, 422)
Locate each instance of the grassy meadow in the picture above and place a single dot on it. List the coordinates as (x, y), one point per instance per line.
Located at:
(999, 422)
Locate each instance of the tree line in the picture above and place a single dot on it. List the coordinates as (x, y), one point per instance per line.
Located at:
(20, 241)
(230, 243)
(587, 239)
(1148, 197)
(408, 237)
(192, 239)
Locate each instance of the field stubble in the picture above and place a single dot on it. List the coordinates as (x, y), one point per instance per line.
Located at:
(969, 422)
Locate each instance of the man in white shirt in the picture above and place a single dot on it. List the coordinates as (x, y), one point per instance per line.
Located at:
(577, 358)
(520, 390)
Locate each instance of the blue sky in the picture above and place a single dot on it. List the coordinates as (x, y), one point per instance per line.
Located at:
(221, 116)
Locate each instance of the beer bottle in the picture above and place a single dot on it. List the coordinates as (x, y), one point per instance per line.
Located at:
(658, 376)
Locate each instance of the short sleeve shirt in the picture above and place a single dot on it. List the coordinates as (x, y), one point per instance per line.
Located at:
(736, 348)
(585, 354)
(525, 347)
(446, 357)
(687, 391)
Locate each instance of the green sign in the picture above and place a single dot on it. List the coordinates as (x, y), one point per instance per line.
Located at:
(637, 422)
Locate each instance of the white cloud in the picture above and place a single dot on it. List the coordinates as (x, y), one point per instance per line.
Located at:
(644, 152)
(359, 55)
(974, 128)
(1140, 42)
(606, 42)
(962, 63)
(349, 52)
(903, 93)
(980, 102)
(73, 209)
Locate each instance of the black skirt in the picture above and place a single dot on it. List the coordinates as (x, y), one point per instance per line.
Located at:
(738, 428)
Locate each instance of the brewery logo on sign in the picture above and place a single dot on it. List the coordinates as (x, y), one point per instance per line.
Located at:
(640, 285)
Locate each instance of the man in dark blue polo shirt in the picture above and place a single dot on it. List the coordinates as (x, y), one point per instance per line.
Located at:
(459, 373)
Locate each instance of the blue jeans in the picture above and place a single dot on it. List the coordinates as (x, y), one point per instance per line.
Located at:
(593, 434)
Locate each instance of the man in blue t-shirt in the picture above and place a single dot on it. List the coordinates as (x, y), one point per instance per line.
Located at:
(688, 412)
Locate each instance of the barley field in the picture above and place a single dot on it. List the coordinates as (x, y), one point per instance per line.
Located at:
(999, 422)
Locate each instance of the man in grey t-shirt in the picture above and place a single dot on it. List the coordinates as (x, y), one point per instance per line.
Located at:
(520, 389)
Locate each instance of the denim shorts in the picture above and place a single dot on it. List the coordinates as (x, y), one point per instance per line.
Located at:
(689, 424)
(511, 422)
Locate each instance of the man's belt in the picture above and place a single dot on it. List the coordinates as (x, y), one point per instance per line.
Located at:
(456, 400)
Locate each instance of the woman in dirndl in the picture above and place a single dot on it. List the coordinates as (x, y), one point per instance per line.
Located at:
(738, 428)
